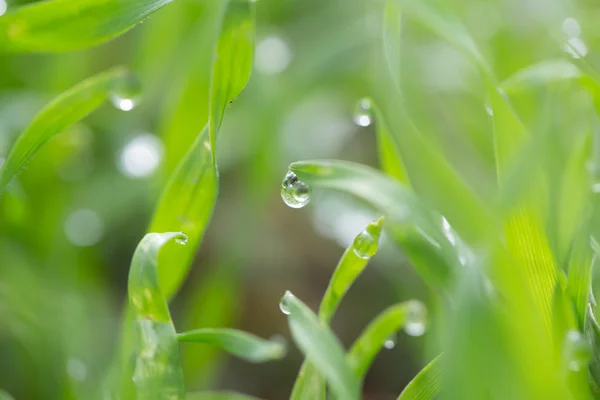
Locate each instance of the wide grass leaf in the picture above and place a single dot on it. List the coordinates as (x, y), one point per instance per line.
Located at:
(426, 385)
(66, 109)
(321, 348)
(67, 25)
(186, 205)
(241, 344)
(372, 340)
(409, 222)
(232, 61)
(158, 373)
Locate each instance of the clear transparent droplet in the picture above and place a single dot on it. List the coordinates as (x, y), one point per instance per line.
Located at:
(126, 92)
(294, 192)
(363, 112)
(284, 303)
(366, 244)
(182, 239)
(390, 342)
(416, 318)
(577, 351)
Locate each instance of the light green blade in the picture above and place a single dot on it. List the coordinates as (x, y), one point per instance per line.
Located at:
(157, 373)
(241, 344)
(186, 205)
(389, 155)
(67, 25)
(218, 396)
(408, 221)
(321, 348)
(427, 384)
(372, 339)
(60, 113)
(232, 62)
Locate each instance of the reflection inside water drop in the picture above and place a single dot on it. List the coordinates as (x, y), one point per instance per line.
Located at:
(294, 192)
(283, 304)
(366, 244)
(126, 92)
(363, 113)
(416, 318)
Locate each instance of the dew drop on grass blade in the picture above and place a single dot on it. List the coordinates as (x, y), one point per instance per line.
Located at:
(66, 109)
(67, 25)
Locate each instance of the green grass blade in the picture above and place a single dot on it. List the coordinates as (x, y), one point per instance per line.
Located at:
(218, 396)
(241, 344)
(67, 25)
(158, 373)
(232, 61)
(408, 221)
(5, 396)
(349, 268)
(543, 73)
(55, 117)
(321, 348)
(309, 384)
(392, 27)
(426, 385)
(389, 155)
(371, 341)
(579, 275)
(186, 205)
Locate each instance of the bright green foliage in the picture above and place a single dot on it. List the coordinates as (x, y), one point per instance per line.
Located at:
(63, 111)
(67, 25)
(426, 385)
(241, 344)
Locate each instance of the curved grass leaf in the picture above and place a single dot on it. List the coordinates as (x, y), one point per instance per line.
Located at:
(426, 385)
(321, 348)
(389, 156)
(309, 384)
(542, 73)
(218, 396)
(232, 61)
(158, 373)
(372, 339)
(67, 25)
(408, 221)
(241, 344)
(186, 205)
(60, 113)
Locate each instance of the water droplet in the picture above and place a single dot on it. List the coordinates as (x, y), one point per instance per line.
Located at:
(571, 27)
(181, 239)
(284, 303)
(273, 55)
(575, 47)
(363, 113)
(3, 7)
(416, 318)
(294, 192)
(577, 351)
(141, 156)
(84, 228)
(126, 92)
(390, 342)
(367, 242)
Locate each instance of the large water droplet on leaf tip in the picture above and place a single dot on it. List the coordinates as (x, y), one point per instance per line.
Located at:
(126, 92)
(366, 243)
(294, 192)
(284, 303)
(363, 112)
(416, 318)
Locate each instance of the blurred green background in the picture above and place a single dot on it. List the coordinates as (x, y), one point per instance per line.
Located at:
(69, 226)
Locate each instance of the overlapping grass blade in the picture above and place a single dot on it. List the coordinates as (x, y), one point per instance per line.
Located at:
(427, 384)
(309, 384)
(321, 348)
(389, 156)
(186, 205)
(158, 372)
(67, 25)
(372, 339)
(218, 396)
(241, 344)
(232, 62)
(60, 113)
(408, 221)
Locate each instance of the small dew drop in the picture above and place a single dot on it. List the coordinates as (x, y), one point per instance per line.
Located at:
(294, 192)
(489, 110)
(363, 113)
(3, 7)
(126, 92)
(416, 318)
(141, 156)
(366, 243)
(577, 351)
(182, 239)
(284, 303)
(575, 47)
(390, 342)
